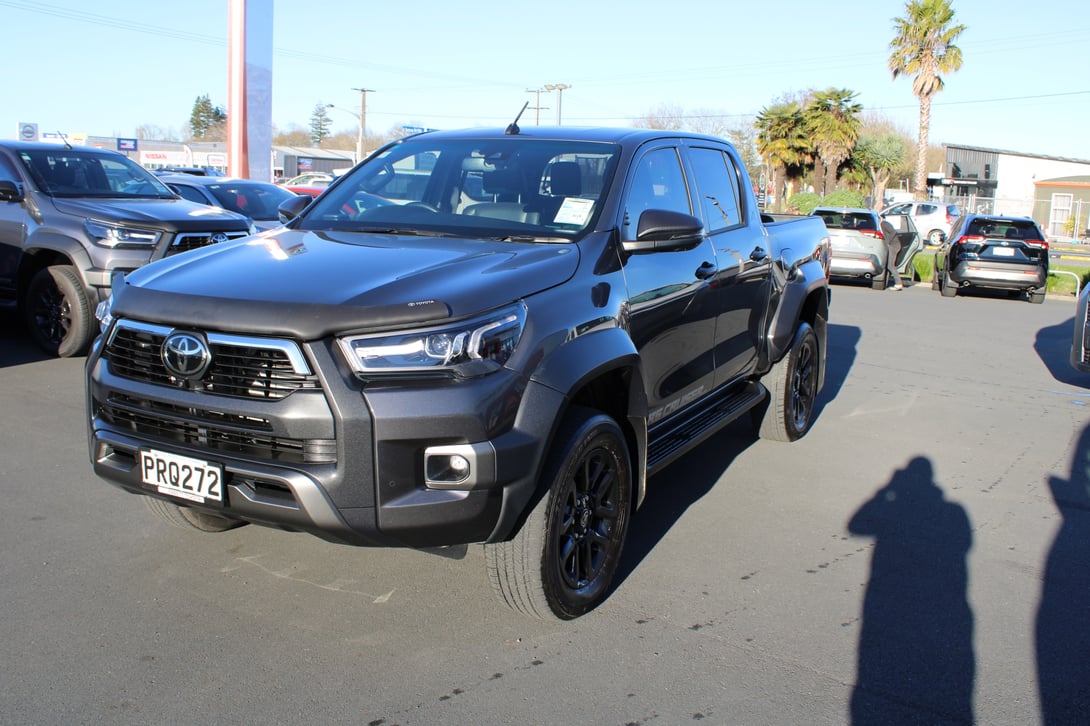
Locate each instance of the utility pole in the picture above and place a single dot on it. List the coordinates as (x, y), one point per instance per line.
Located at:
(538, 108)
(363, 121)
(559, 88)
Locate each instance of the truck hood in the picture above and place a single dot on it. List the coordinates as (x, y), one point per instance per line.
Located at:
(314, 284)
(173, 215)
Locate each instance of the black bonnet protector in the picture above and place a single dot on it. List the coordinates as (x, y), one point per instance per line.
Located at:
(302, 321)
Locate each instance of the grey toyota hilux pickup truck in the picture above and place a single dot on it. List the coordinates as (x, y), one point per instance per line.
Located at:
(484, 336)
(72, 216)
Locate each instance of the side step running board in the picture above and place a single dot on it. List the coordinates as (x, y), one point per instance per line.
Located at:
(675, 437)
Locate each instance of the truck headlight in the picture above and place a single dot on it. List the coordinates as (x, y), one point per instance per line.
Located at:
(113, 235)
(468, 348)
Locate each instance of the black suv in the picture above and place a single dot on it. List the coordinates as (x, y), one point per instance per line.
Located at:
(993, 252)
(70, 217)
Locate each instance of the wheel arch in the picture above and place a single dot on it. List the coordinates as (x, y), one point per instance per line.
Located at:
(602, 370)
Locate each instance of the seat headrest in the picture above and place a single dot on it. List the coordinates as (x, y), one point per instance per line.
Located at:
(565, 179)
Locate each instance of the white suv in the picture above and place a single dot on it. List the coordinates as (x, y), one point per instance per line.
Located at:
(932, 219)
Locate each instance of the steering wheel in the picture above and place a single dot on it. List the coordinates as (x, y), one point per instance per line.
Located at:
(421, 205)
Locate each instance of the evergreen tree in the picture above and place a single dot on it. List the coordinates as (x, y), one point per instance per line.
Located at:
(319, 124)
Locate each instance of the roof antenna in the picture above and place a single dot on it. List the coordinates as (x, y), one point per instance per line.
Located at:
(64, 138)
(513, 127)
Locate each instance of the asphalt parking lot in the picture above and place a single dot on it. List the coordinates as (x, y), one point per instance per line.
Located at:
(919, 557)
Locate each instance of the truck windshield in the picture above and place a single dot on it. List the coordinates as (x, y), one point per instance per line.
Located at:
(86, 173)
(510, 188)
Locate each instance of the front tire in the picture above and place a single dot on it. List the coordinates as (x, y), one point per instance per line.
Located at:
(793, 387)
(58, 312)
(190, 518)
(562, 561)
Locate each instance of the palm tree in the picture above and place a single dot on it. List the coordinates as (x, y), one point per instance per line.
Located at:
(781, 142)
(924, 48)
(832, 119)
(878, 155)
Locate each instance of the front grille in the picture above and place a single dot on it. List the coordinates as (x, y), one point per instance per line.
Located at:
(186, 241)
(246, 436)
(241, 367)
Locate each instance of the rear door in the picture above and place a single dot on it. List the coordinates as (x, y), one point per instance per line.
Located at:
(741, 248)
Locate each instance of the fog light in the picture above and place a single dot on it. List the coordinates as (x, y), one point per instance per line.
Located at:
(448, 469)
(460, 466)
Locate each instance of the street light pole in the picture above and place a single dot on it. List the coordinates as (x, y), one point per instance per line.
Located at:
(559, 88)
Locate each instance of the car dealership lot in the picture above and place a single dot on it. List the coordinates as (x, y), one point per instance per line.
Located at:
(913, 562)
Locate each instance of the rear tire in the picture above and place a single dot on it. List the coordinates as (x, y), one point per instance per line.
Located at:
(1037, 297)
(793, 387)
(57, 311)
(562, 561)
(878, 282)
(935, 237)
(190, 518)
(949, 289)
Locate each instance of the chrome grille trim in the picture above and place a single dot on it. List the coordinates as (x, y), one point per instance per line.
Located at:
(242, 366)
(185, 241)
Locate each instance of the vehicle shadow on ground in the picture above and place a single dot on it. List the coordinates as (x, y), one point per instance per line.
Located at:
(685, 482)
(915, 659)
(1063, 615)
(840, 357)
(1053, 346)
(16, 347)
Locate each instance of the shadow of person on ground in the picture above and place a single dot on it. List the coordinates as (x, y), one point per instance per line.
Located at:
(1053, 345)
(1063, 615)
(916, 661)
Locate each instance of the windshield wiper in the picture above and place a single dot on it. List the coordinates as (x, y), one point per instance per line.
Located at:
(528, 238)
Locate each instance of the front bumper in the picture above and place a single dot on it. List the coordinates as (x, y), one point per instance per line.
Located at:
(339, 459)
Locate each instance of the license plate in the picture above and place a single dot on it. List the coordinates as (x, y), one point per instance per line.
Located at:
(1003, 251)
(181, 476)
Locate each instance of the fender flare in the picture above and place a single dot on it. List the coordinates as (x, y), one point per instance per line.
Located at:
(808, 284)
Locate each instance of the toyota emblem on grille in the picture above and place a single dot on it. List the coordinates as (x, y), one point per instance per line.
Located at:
(185, 355)
(219, 237)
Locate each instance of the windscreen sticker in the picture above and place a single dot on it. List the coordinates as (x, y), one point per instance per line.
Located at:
(574, 210)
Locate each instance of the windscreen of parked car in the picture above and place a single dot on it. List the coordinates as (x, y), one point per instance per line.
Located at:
(512, 188)
(253, 199)
(68, 172)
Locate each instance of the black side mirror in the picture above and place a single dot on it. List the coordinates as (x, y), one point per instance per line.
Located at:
(661, 229)
(10, 191)
(290, 209)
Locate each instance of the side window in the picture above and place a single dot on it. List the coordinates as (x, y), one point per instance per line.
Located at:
(188, 193)
(657, 183)
(715, 182)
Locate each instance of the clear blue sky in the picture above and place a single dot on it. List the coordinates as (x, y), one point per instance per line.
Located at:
(108, 66)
